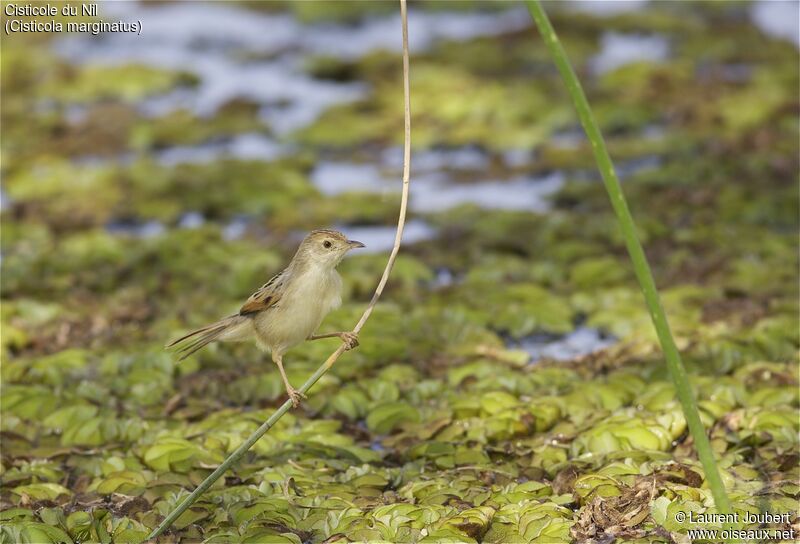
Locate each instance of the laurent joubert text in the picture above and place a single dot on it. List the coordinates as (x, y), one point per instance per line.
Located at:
(26, 18)
(754, 533)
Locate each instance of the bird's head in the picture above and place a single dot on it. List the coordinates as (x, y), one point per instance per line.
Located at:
(326, 247)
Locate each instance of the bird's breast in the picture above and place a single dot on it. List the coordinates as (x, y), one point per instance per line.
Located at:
(306, 302)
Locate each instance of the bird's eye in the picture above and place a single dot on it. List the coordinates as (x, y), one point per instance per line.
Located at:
(327, 243)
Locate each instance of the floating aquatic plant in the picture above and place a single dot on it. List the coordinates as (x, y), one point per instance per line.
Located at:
(103, 435)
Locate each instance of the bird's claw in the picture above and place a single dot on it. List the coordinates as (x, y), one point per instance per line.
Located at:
(295, 396)
(350, 340)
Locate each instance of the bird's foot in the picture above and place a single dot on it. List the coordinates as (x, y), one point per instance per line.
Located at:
(350, 340)
(295, 396)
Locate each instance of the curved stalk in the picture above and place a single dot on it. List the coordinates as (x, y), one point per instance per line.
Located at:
(267, 425)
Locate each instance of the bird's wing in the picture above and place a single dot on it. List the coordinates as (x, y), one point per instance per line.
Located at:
(266, 297)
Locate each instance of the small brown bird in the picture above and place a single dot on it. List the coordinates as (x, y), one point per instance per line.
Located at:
(289, 308)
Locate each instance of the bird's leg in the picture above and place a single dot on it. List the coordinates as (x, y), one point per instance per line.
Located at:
(350, 339)
(293, 393)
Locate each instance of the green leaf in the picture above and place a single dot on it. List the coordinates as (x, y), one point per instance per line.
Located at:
(12, 514)
(126, 482)
(174, 454)
(84, 433)
(497, 401)
(42, 491)
(351, 402)
(387, 417)
(658, 509)
(29, 532)
(67, 416)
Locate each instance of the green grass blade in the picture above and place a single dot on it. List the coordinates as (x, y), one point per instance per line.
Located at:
(641, 267)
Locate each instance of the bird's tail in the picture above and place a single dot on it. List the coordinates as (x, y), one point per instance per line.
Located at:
(234, 327)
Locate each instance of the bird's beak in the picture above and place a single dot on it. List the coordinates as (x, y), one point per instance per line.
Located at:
(355, 244)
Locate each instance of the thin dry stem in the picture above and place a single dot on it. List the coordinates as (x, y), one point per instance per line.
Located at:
(401, 222)
(267, 425)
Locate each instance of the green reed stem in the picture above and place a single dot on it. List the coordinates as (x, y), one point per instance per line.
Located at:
(640, 265)
(235, 456)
